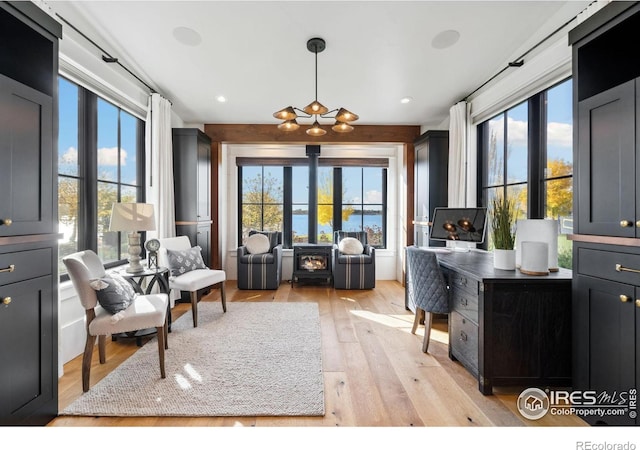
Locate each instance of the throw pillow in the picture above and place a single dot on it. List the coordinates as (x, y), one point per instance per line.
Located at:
(350, 246)
(183, 261)
(114, 293)
(257, 243)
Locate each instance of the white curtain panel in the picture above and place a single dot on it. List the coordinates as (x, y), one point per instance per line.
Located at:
(159, 163)
(458, 155)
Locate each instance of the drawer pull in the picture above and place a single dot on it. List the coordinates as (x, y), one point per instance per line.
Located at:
(624, 298)
(621, 268)
(6, 301)
(625, 223)
(638, 302)
(463, 336)
(11, 268)
(7, 222)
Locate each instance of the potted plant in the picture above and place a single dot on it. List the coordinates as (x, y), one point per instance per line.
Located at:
(503, 216)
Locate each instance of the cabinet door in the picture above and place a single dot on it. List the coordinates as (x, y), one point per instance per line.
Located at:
(607, 163)
(28, 371)
(203, 239)
(26, 159)
(203, 208)
(604, 337)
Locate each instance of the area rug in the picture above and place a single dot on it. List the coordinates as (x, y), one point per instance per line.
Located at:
(257, 359)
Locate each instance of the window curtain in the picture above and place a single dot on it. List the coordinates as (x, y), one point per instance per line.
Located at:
(457, 155)
(159, 162)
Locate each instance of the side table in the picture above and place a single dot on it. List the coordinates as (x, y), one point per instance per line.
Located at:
(159, 276)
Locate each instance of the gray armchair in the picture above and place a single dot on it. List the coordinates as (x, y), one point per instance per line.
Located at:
(353, 271)
(261, 270)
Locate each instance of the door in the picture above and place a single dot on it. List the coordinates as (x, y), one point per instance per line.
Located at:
(607, 163)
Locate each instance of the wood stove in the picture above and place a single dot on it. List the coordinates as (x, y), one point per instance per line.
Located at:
(312, 262)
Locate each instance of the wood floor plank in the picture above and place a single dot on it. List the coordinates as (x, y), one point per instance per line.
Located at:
(375, 374)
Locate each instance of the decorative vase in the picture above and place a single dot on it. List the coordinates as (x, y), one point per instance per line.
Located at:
(504, 259)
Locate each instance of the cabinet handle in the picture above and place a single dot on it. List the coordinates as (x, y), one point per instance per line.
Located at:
(463, 336)
(621, 268)
(6, 222)
(625, 223)
(11, 268)
(624, 298)
(638, 302)
(6, 301)
(638, 223)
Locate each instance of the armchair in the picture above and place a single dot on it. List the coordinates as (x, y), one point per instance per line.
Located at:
(259, 263)
(353, 269)
(120, 313)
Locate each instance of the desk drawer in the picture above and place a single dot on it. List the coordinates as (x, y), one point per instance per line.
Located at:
(465, 303)
(26, 264)
(464, 341)
(462, 282)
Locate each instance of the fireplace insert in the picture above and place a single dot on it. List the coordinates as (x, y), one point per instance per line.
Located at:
(312, 262)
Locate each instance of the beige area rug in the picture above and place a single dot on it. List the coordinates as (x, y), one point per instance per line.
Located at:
(257, 359)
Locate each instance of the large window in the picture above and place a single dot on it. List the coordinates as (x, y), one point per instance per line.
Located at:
(100, 162)
(526, 153)
(276, 197)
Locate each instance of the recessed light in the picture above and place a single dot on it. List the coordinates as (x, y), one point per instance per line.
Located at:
(445, 39)
(221, 98)
(406, 100)
(187, 36)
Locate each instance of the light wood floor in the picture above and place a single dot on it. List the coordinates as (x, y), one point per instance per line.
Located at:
(374, 370)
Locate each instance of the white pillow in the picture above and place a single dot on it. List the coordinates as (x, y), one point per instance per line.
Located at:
(350, 246)
(257, 243)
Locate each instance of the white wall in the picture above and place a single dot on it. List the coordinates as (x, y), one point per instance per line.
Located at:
(386, 259)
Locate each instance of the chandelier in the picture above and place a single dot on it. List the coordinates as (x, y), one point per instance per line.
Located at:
(315, 109)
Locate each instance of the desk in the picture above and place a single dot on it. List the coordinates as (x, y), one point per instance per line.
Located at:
(506, 328)
(159, 276)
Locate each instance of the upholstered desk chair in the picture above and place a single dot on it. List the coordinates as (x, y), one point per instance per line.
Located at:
(353, 268)
(194, 278)
(260, 263)
(426, 289)
(145, 311)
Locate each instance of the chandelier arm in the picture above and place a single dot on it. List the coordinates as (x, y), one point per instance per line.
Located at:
(327, 116)
(304, 116)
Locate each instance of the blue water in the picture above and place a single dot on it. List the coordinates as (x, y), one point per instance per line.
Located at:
(300, 223)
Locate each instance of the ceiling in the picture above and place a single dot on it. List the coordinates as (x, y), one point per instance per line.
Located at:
(377, 52)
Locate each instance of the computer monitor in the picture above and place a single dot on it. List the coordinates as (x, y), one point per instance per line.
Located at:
(459, 224)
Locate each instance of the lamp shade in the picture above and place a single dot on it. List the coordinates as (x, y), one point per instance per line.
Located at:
(132, 217)
(345, 115)
(315, 107)
(315, 130)
(287, 113)
(341, 127)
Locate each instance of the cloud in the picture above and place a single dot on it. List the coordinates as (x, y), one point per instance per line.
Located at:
(373, 197)
(108, 156)
(70, 156)
(560, 134)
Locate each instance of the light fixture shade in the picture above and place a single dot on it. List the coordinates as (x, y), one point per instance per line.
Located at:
(315, 107)
(345, 115)
(287, 113)
(342, 127)
(315, 130)
(289, 125)
(132, 217)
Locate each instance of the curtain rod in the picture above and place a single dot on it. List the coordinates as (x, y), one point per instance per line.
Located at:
(106, 57)
(519, 62)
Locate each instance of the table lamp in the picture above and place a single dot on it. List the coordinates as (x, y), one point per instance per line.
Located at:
(133, 218)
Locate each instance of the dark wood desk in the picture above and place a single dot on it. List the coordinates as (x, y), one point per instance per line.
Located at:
(506, 328)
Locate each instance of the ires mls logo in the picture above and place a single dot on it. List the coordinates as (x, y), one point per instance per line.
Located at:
(534, 403)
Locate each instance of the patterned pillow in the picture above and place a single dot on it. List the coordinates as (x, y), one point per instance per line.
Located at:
(183, 261)
(114, 293)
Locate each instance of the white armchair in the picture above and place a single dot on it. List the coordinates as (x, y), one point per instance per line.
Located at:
(194, 277)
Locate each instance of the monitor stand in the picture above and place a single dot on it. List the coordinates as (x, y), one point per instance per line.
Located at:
(460, 247)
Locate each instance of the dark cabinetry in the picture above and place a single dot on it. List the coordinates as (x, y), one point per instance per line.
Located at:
(431, 178)
(606, 343)
(192, 181)
(507, 328)
(28, 242)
